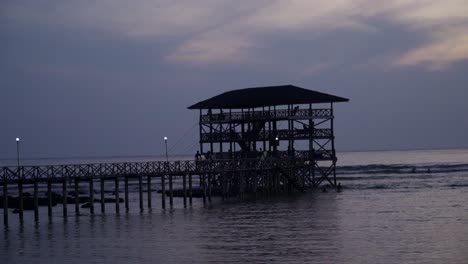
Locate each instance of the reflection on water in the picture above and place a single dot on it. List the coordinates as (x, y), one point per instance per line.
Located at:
(427, 225)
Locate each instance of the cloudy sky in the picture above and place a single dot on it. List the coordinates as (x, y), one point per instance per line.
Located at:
(112, 77)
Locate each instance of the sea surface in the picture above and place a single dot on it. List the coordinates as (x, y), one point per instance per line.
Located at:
(395, 207)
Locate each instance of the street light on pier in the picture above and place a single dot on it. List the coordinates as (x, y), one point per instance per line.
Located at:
(17, 152)
(165, 141)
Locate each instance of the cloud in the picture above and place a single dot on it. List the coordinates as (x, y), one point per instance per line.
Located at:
(223, 31)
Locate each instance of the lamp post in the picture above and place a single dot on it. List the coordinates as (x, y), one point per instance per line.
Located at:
(163, 179)
(20, 181)
(165, 142)
(17, 152)
(171, 194)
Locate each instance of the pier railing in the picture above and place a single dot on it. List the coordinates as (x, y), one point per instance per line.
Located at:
(154, 168)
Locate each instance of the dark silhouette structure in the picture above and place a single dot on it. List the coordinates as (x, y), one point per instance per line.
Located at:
(288, 126)
(264, 140)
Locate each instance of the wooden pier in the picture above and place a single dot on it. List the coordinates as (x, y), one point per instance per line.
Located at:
(253, 142)
(222, 175)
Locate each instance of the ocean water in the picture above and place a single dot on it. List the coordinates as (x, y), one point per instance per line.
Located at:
(395, 207)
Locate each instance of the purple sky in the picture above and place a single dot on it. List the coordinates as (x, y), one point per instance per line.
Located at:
(100, 78)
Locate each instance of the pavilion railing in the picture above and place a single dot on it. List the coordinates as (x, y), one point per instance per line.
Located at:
(281, 134)
(281, 114)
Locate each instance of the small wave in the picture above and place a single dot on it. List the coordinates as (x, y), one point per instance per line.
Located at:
(457, 185)
(401, 169)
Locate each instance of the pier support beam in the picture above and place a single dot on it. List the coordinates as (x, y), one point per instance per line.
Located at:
(49, 199)
(91, 196)
(209, 187)
(36, 201)
(184, 189)
(171, 192)
(140, 192)
(77, 197)
(190, 189)
(163, 191)
(116, 193)
(103, 206)
(20, 200)
(64, 197)
(126, 194)
(149, 190)
(203, 182)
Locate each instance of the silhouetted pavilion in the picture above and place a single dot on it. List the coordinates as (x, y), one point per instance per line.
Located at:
(279, 123)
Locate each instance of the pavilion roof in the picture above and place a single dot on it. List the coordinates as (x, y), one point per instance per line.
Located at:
(266, 96)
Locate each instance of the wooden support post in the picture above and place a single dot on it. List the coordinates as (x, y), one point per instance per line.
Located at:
(64, 197)
(126, 194)
(163, 191)
(5, 201)
(240, 183)
(91, 195)
(49, 198)
(171, 192)
(140, 192)
(209, 187)
(20, 199)
(77, 197)
(190, 189)
(116, 193)
(103, 206)
(223, 187)
(149, 190)
(184, 189)
(254, 184)
(204, 188)
(36, 201)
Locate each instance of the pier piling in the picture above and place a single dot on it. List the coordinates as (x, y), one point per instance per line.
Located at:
(171, 193)
(126, 194)
(203, 182)
(149, 190)
(91, 196)
(140, 192)
(64, 197)
(36, 201)
(184, 189)
(163, 191)
(49, 199)
(77, 197)
(20, 199)
(116, 193)
(103, 206)
(190, 189)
